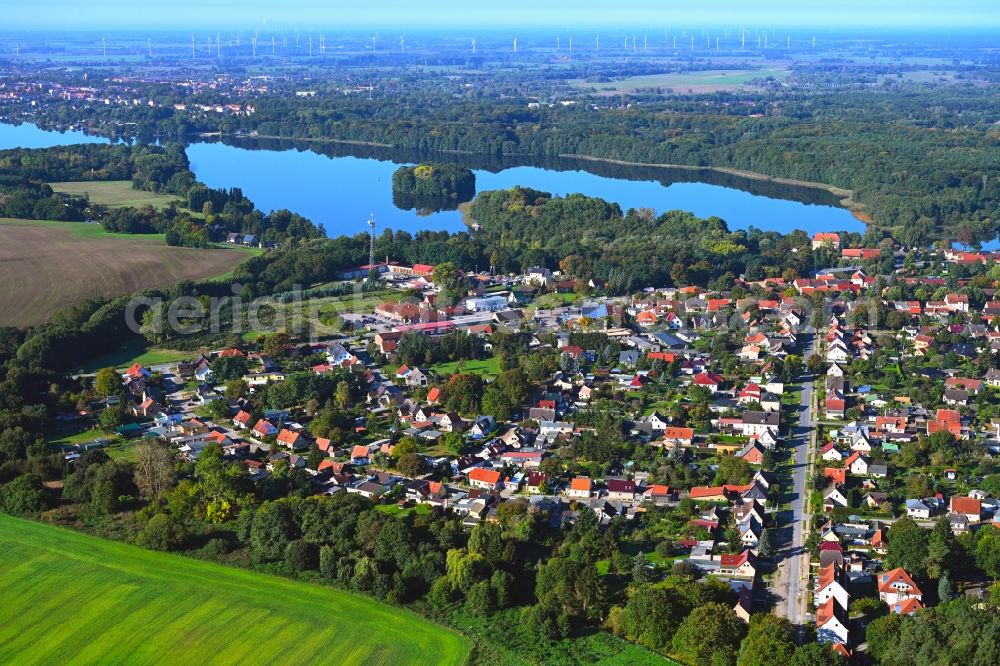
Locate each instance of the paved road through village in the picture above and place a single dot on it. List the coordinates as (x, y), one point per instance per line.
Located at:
(791, 581)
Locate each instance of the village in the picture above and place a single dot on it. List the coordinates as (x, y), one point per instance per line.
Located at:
(741, 430)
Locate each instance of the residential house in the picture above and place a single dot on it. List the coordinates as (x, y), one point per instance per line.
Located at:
(451, 422)
(622, 490)
(918, 509)
(292, 440)
(580, 487)
(709, 380)
(832, 583)
(264, 428)
(482, 427)
(535, 482)
(829, 239)
(969, 507)
(744, 604)
(833, 498)
(416, 377)
(896, 585)
(857, 463)
(829, 453)
(756, 423)
(906, 606)
(674, 437)
(487, 479)
(743, 565)
(750, 532)
(753, 453)
(832, 623)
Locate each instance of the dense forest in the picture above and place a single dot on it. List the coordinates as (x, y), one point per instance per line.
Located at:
(588, 237)
(432, 186)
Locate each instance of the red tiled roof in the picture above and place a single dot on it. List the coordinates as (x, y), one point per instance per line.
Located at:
(966, 505)
(484, 475)
(898, 575)
(263, 425)
(707, 379)
(288, 437)
(907, 606)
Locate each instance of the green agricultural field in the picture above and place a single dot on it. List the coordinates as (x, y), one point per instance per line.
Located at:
(116, 194)
(70, 598)
(682, 82)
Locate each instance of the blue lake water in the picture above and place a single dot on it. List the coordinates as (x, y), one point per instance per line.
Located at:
(30, 136)
(342, 191)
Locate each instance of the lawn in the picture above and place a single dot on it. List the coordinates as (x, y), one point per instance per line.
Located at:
(71, 435)
(116, 194)
(485, 367)
(73, 598)
(136, 351)
(46, 266)
(402, 512)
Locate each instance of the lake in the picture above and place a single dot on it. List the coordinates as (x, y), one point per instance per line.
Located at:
(26, 135)
(341, 186)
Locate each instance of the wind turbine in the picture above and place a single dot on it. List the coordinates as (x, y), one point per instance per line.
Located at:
(149, 46)
(814, 41)
(571, 43)
(192, 47)
(272, 44)
(598, 42)
(218, 46)
(373, 43)
(692, 43)
(104, 46)
(402, 45)
(515, 45)
(473, 46)
(253, 47)
(310, 46)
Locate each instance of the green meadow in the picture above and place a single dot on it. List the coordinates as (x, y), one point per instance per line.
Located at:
(70, 598)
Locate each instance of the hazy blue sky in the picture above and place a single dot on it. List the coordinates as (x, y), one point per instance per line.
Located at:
(150, 14)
